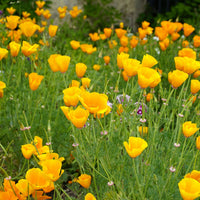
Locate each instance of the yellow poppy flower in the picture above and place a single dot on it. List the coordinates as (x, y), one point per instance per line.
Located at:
(148, 61)
(75, 44)
(35, 80)
(195, 86)
(176, 78)
(3, 53)
(28, 150)
(12, 21)
(80, 69)
(28, 49)
(37, 178)
(24, 187)
(89, 196)
(28, 28)
(189, 128)
(71, 96)
(52, 30)
(84, 180)
(189, 188)
(14, 48)
(94, 102)
(135, 146)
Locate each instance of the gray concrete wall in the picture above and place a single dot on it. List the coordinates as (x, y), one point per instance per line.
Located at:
(130, 9)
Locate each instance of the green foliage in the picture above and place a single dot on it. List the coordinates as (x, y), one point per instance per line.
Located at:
(100, 14)
(186, 12)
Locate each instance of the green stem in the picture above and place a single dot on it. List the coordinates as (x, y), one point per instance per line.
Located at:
(137, 180)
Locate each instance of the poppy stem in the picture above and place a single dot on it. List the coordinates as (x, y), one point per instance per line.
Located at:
(137, 180)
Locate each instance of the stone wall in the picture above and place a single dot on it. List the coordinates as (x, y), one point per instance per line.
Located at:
(130, 9)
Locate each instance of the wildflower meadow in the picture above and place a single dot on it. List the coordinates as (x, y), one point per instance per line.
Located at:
(105, 115)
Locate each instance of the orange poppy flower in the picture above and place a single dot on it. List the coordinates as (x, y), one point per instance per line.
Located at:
(2, 86)
(106, 59)
(196, 74)
(28, 49)
(14, 48)
(107, 32)
(196, 41)
(123, 49)
(120, 58)
(37, 178)
(148, 77)
(175, 36)
(12, 21)
(120, 32)
(195, 86)
(11, 10)
(189, 188)
(75, 44)
(39, 11)
(148, 61)
(35, 80)
(84, 180)
(28, 28)
(94, 36)
(40, 4)
(39, 195)
(25, 14)
(161, 33)
(28, 150)
(131, 66)
(71, 96)
(86, 82)
(62, 9)
(15, 35)
(187, 52)
(189, 128)
(3, 53)
(52, 168)
(80, 69)
(89, 196)
(198, 143)
(185, 44)
(187, 29)
(149, 97)
(124, 41)
(134, 42)
(176, 78)
(142, 33)
(62, 62)
(75, 12)
(125, 76)
(135, 146)
(52, 30)
(194, 174)
(143, 130)
(112, 44)
(78, 117)
(94, 102)
(24, 187)
(96, 67)
(145, 24)
(46, 14)
(52, 62)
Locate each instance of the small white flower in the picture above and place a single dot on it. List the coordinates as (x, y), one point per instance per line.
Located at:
(143, 120)
(75, 144)
(177, 145)
(172, 169)
(110, 183)
(180, 115)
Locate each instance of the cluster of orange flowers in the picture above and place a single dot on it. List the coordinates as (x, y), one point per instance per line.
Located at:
(93, 103)
(37, 181)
